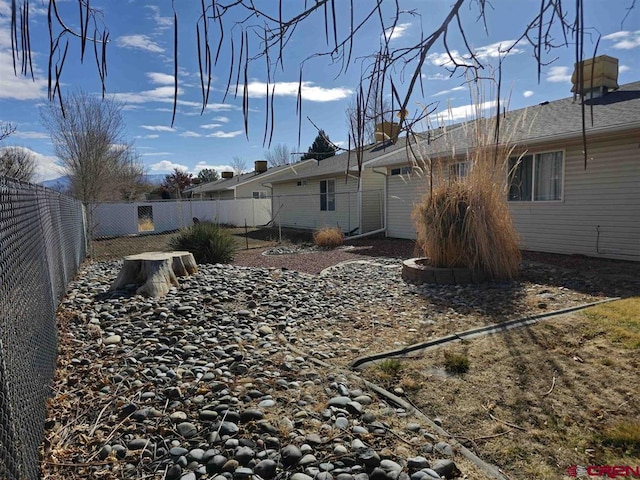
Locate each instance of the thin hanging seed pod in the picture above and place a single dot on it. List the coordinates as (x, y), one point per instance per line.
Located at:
(232, 58)
(335, 25)
(14, 36)
(27, 34)
(175, 64)
(241, 56)
(200, 68)
(281, 35)
(245, 96)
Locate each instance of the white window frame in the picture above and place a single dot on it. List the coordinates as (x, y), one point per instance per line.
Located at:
(330, 198)
(459, 170)
(259, 194)
(534, 157)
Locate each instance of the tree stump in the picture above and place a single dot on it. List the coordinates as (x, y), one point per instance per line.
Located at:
(155, 272)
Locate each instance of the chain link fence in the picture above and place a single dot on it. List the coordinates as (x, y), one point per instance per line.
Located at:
(127, 228)
(42, 243)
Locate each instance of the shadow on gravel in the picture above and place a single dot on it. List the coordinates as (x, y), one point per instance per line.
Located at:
(590, 276)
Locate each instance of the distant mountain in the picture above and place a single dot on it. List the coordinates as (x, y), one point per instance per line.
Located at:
(63, 183)
(60, 183)
(156, 178)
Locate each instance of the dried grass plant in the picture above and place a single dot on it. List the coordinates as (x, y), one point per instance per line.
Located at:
(328, 237)
(465, 221)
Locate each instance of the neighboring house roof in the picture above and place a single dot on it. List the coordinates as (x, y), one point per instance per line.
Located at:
(340, 164)
(616, 111)
(244, 179)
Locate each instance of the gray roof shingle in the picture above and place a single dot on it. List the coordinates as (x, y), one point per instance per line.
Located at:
(557, 120)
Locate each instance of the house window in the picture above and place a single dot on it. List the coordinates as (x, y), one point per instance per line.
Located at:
(260, 194)
(301, 183)
(458, 171)
(401, 171)
(327, 195)
(536, 177)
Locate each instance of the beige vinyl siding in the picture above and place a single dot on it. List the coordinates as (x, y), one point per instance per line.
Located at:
(246, 190)
(372, 201)
(403, 191)
(299, 206)
(604, 197)
(219, 195)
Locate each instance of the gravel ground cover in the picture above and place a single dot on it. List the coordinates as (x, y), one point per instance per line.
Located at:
(218, 379)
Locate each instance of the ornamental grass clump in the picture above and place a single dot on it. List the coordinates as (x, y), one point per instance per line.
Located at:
(328, 237)
(464, 221)
(207, 242)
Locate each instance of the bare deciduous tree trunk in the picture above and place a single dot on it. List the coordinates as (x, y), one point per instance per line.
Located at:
(88, 138)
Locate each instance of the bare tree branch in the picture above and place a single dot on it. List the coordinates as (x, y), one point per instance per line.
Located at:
(89, 141)
(263, 31)
(18, 163)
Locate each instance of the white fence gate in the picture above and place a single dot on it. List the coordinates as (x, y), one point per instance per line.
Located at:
(132, 218)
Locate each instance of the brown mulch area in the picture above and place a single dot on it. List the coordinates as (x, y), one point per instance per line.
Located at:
(370, 248)
(314, 263)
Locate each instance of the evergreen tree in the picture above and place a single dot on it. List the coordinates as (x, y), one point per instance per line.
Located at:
(207, 175)
(321, 148)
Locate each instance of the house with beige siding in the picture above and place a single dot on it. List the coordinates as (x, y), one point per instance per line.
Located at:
(246, 185)
(332, 193)
(560, 200)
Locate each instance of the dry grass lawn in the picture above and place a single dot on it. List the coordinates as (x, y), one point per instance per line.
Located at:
(538, 399)
(116, 248)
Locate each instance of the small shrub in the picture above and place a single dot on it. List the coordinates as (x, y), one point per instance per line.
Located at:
(625, 435)
(456, 363)
(207, 241)
(328, 237)
(390, 367)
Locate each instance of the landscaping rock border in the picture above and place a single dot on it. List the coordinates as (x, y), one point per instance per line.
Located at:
(418, 271)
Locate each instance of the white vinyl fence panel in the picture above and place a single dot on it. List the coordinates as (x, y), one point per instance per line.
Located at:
(133, 218)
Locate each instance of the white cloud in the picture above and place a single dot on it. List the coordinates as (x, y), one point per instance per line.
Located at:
(445, 59)
(161, 22)
(494, 50)
(623, 68)
(18, 87)
(464, 112)
(446, 92)
(437, 76)
(222, 119)
(29, 135)
(161, 78)
(217, 107)
(156, 154)
(211, 125)
(189, 133)
(158, 128)
(221, 134)
(218, 168)
(167, 166)
(139, 42)
(393, 33)
(527, 93)
(497, 49)
(310, 92)
(146, 137)
(559, 74)
(47, 167)
(624, 40)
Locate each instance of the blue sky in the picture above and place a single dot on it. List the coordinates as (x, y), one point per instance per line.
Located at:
(140, 73)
